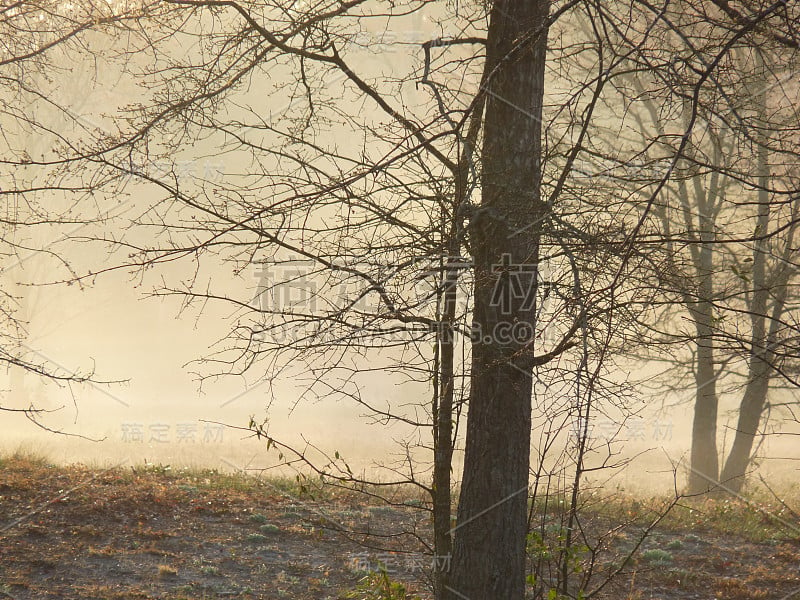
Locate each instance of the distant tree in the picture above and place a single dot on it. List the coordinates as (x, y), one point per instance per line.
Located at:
(728, 218)
(31, 220)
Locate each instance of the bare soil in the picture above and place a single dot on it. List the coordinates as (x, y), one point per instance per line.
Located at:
(75, 532)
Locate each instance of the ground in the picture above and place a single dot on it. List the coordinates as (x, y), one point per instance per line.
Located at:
(76, 532)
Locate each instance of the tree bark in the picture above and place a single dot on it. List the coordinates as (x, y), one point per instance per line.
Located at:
(490, 536)
(704, 465)
(704, 469)
(750, 411)
(754, 400)
(443, 420)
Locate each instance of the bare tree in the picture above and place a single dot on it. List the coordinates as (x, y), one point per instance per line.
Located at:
(728, 218)
(29, 31)
(353, 187)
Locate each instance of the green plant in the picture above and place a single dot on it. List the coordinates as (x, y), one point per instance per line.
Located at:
(553, 594)
(256, 538)
(551, 551)
(537, 548)
(258, 518)
(377, 585)
(553, 544)
(269, 528)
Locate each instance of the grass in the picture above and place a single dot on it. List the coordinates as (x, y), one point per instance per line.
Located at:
(194, 480)
(760, 517)
(265, 510)
(757, 517)
(23, 458)
(675, 545)
(657, 556)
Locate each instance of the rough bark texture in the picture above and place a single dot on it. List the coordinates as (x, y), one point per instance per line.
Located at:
(490, 536)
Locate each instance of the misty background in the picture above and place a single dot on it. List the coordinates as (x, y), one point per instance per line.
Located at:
(155, 408)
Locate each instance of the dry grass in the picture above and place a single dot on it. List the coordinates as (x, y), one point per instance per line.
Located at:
(76, 532)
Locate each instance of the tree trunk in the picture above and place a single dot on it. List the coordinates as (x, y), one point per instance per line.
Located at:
(750, 411)
(759, 371)
(704, 468)
(490, 536)
(443, 421)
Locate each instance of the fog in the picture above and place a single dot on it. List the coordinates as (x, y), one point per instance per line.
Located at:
(148, 406)
(157, 413)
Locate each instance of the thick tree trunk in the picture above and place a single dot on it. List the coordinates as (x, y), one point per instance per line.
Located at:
(490, 536)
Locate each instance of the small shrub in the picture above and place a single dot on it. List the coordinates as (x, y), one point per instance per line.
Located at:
(379, 586)
(256, 538)
(269, 528)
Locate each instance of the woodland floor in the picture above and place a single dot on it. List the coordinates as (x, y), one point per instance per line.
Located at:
(75, 532)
